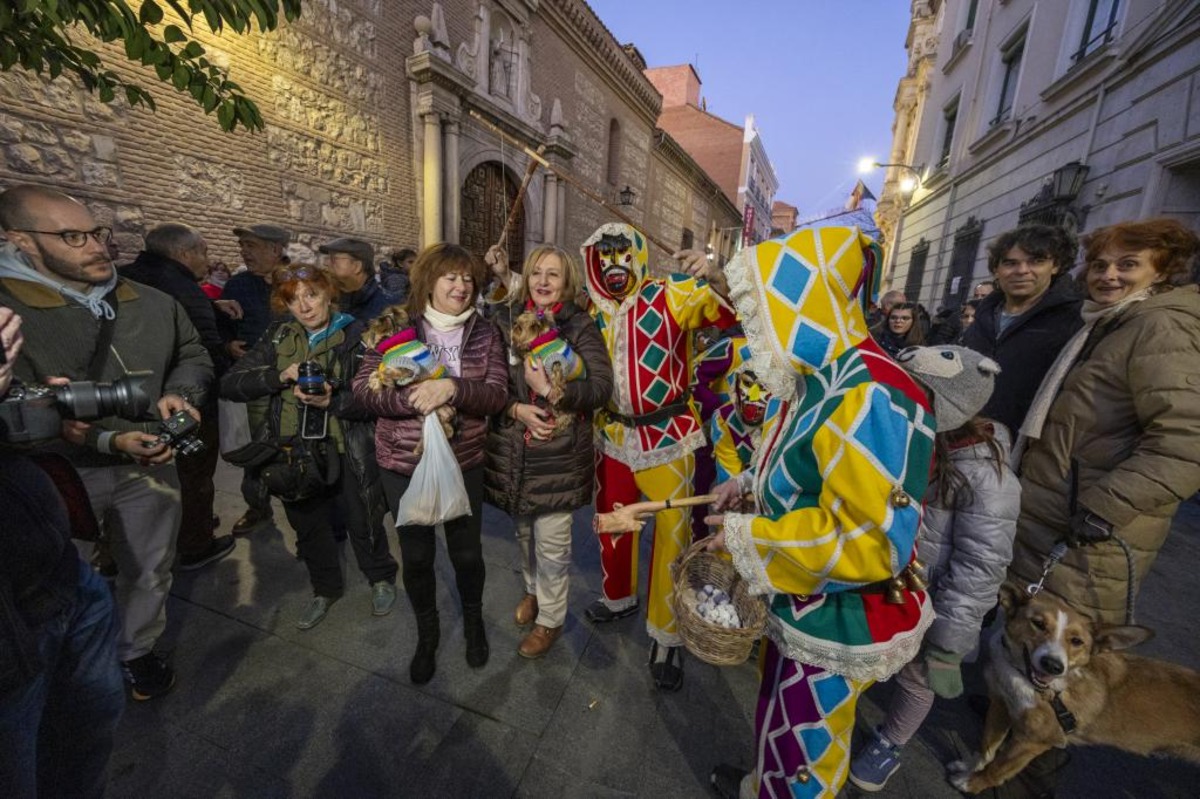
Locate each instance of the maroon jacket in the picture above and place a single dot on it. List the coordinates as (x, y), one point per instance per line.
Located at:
(480, 391)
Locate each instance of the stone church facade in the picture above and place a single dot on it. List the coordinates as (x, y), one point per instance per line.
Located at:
(381, 120)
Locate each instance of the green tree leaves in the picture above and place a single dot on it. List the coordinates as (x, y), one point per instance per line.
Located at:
(36, 35)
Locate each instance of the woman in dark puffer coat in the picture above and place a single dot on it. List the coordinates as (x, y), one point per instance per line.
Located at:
(537, 477)
(446, 280)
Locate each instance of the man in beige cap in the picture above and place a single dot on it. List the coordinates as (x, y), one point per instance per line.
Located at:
(262, 249)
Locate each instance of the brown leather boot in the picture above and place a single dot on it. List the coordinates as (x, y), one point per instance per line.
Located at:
(527, 610)
(539, 641)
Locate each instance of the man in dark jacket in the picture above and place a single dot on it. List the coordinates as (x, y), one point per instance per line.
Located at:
(1027, 321)
(174, 262)
(352, 262)
(262, 247)
(83, 321)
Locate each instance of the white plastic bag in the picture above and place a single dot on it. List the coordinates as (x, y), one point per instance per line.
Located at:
(436, 493)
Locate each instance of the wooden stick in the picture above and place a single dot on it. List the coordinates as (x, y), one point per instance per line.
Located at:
(516, 206)
(566, 177)
(630, 518)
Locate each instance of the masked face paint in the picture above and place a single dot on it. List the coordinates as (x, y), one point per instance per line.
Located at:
(616, 264)
(750, 399)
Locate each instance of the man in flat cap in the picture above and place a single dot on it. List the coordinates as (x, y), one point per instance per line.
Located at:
(352, 263)
(262, 247)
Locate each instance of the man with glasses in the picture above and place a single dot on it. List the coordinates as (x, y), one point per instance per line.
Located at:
(83, 322)
(1025, 323)
(352, 264)
(263, 250)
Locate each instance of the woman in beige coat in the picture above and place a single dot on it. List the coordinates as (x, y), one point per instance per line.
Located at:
(1111, 439)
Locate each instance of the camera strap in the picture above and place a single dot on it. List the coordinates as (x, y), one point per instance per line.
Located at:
(104, 340)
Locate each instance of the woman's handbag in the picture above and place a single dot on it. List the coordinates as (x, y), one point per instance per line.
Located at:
(234, 425)
(436, 493)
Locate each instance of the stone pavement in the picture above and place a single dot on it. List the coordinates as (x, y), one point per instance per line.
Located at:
(263, 710)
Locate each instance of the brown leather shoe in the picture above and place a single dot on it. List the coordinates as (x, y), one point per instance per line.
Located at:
(527, 610)
(539, 641)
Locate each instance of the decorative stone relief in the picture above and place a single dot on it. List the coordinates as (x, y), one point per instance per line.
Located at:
(298, 153)
(209, 182)
(324, 114)
(322, 207)
(332, 19)
(292, 50)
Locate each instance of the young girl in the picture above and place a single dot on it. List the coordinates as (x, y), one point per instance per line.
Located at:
(965, 543)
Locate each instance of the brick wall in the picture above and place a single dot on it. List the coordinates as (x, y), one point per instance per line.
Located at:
(679, 85)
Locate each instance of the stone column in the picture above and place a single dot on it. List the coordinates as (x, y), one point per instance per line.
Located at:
(453, 192)
(431, 226)
(550, 210)
(561, 217)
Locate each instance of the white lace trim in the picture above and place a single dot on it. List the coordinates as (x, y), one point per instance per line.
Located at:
(874, 662)
(740, 543)
(776, 374)
(663, 637)
(631, 454)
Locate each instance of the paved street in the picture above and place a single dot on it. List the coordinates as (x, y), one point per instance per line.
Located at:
(264, 710)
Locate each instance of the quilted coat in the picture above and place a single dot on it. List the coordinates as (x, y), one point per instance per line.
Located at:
(479, 392)
(1120, 440)
(967, 546)
(524, 477)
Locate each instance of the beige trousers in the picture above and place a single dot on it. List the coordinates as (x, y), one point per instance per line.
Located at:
(545, 541)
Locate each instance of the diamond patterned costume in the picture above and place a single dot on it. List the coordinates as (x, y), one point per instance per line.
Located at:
(646, 437)
(838, 484)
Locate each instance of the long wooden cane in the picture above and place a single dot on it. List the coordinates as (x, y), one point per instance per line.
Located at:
(513, 210)
(630, 518)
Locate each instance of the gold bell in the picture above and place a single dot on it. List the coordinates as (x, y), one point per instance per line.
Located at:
(912, 576)
(900, 498)
(895, 591)
(802, 775)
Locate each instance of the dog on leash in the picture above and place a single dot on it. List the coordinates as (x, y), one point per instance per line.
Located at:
(1056, 678)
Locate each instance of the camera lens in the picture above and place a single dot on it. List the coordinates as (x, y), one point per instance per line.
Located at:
(311, 378)
(125, 397)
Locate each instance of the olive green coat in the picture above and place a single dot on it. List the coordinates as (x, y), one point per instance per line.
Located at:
(1126, 422)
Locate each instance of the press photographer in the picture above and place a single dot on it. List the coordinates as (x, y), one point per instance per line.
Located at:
(83, 322)
(61, 694)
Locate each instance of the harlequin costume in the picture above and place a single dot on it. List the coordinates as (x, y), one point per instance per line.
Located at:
(735, 427)
(838, 485)
(646, 436)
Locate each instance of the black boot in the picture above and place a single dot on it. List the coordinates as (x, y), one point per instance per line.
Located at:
(424, 661)
(477, 645)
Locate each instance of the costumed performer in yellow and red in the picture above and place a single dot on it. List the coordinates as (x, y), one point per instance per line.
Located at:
(837, 483)
(646, 436)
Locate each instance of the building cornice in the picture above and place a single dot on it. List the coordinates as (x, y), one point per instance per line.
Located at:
(575, 21)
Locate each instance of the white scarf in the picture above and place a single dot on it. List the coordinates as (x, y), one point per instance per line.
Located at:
(1093, 313)
(446, 322)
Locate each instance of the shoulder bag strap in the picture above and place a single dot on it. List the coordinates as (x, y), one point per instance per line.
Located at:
(104, 340)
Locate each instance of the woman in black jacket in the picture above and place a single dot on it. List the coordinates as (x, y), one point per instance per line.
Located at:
(902, 328)
(317, 333)
(538, 477)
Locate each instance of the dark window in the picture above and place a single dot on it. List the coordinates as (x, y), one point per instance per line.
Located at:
(1098, 27)
(916, 270)
(687, 240)
(949, 120)
(1010, 60)
(972, 7)
(962, 262)
(613, 172)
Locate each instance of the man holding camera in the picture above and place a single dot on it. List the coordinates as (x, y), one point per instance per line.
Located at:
(83, 322)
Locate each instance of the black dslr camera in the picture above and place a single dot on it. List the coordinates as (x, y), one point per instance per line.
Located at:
(35, 413)
(179, 431)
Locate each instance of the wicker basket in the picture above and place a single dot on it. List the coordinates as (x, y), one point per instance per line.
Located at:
(712, 643)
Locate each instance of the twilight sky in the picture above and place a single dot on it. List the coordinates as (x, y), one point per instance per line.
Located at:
(818, 76)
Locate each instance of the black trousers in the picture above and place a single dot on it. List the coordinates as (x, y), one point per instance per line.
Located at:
(196, 486)
(418, 546)
(319, 549)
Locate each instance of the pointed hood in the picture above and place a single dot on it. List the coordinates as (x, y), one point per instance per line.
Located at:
(614, 244)
(801, 300)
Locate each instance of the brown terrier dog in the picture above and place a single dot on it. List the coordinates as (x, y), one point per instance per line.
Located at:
(393, 320)
(1056, 679)
(527, 328)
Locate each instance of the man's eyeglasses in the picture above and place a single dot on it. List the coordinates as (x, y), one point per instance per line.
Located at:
(75, 238)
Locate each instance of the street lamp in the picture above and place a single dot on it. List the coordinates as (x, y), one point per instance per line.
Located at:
(626, 196)
(908, 184)
(1068, 180)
